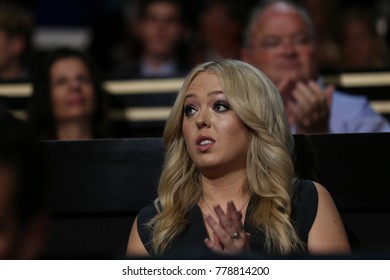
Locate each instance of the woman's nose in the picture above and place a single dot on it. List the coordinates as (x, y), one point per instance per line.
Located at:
(75, 83)
(202, 120)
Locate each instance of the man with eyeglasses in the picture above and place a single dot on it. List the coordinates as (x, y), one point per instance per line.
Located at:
(280, 41)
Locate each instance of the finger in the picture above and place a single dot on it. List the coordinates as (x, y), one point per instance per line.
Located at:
(224, 229)
(328, 92)
(218, 229)
(329, 95)
(311, 119)
(223, 242)
(211, 222)
(302, 121)
(313, 112)
(286, 85)
(316, 90)
(232, 212)
(215, 245)
(224, 220)
(295, 112)
(247, 241)
(321, 102)
(304, 97)
(231, 221)
(283, 84)
(235, 217)
(217, 242)
(247, 236)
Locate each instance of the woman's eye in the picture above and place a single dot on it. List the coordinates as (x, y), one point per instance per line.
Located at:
(221, 107)
(59, 82)
(189, 110)
(83, 79)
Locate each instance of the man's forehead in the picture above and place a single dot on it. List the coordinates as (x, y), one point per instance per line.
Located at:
(274, 18)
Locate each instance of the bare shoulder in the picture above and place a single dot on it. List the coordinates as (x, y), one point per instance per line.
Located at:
(327, 235)
(135, 247)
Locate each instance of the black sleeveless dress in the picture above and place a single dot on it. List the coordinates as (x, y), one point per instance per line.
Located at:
(191, 241)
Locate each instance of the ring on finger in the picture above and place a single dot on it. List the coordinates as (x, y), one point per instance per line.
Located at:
(235, 235)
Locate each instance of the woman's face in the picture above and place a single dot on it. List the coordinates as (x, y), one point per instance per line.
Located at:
(216, 138)
(72, 91)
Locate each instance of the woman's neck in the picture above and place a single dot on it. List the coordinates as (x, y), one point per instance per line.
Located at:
(230, 187)
(74, 130)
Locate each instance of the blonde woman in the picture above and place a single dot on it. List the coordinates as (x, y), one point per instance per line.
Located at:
(228, 183)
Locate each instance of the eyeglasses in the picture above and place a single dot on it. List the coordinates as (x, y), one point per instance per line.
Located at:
(272, 42)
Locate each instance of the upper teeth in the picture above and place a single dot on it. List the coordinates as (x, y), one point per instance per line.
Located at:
(205, 142)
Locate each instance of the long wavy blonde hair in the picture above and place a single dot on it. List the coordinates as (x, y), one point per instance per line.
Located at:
(255, 100)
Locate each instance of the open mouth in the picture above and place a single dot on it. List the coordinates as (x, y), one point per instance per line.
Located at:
(204, 143)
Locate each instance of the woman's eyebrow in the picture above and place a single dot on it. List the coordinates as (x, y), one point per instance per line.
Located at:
(214, 92)
(189, 95)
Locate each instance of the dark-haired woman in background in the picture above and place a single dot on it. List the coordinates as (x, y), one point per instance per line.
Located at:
(68, 101)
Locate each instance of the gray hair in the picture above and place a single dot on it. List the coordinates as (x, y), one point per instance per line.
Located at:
(258, 11)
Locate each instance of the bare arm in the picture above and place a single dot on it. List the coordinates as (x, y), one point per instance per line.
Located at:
(327, 235)
(135, 247)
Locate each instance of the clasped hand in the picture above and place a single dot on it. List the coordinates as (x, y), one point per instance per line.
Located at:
(307, 105)
(229, 236)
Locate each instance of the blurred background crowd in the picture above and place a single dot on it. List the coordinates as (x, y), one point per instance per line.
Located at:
(67, 48)
(136, 38)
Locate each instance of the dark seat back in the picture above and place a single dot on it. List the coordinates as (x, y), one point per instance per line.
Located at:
(97, 188)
